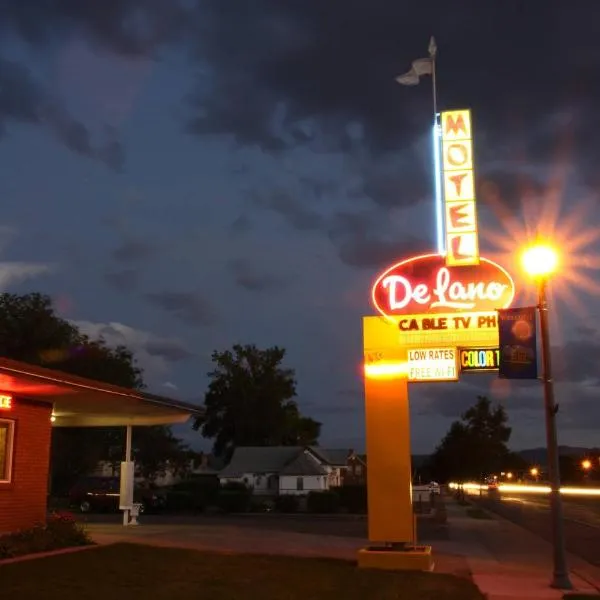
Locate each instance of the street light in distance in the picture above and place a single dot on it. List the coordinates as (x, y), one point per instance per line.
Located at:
(540, 261)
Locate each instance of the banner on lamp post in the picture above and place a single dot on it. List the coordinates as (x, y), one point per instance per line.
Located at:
(517, 329)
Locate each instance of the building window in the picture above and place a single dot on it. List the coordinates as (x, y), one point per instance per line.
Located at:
(7, 429)
(300, 484)
(357, 470)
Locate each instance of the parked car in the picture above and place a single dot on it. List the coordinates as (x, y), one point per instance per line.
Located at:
(434, 487)
(101, 494)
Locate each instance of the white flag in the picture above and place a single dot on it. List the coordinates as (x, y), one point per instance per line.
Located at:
(432, 48)
(421, 66)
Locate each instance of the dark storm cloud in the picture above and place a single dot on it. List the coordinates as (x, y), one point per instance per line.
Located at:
(343, 401)
(24, 101)
(578, 360)
(582, 412)
(127, 27)
(324, 66)
(189, 307)
(170, 350)
(357, 236)
(250, 278)
(125, 280)
(285, 203)
(241, 224)
(400, 185)
(134, 250)
(451, 402)
(360, 243)
(576, 367)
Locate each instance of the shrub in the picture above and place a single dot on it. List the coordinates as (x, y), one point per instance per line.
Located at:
(60, 531)
(261, 505)
(287, 504)
(353, 498)
(323, 502)
(234, 497)
(194, 493)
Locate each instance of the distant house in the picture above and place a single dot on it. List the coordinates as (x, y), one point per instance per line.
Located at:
(294, 470)
(198, 464)
(356, 473)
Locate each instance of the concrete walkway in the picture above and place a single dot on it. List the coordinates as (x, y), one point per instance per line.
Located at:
(228, 538)
(506, 561)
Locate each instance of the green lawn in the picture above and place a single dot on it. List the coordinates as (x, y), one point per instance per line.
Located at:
(127, 571)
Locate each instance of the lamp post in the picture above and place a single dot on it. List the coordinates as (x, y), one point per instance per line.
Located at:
(586, 465)
(540, 261)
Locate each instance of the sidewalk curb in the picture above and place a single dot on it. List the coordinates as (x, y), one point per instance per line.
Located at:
(49, 554)
(570, 556)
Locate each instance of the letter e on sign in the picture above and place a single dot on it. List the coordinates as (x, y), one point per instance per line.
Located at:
(5, 402)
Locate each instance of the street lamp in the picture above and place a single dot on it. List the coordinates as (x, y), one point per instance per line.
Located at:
(540, 261)
(534, 471)
(586, 465)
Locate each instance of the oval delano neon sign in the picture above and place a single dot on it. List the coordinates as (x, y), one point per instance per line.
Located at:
(424, 284)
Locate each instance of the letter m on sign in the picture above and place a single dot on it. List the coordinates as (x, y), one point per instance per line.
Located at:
(456, 125)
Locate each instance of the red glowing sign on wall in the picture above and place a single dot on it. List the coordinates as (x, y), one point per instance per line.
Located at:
(424, 284)
(5, 402)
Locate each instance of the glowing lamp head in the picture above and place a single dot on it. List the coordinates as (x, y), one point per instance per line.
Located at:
(540, 260)
(586, 464)
(534, 471)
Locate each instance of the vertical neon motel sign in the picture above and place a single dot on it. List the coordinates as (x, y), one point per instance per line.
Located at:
(460, 214)
(437, 175)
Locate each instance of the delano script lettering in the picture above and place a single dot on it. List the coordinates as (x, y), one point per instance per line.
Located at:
(446, 293)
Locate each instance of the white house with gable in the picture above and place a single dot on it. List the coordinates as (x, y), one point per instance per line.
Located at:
(294, 470)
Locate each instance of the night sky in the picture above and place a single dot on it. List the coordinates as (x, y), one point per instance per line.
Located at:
(181, 176)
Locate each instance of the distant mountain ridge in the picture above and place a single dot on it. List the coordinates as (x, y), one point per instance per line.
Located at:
(538, 455)
(531, 455)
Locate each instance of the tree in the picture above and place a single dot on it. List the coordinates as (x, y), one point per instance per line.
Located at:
(32, 332)
(474, 446)
(156, 448)
(249, 402)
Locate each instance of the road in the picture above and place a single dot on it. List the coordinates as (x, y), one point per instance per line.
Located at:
(581, 519)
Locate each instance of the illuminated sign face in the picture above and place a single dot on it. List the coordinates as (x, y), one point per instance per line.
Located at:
(432, 364)
(5, 402)
(462, 243)
(424, 284)
(476, 360)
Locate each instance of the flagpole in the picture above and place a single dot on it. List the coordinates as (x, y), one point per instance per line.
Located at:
(432, 54)
(437, 158)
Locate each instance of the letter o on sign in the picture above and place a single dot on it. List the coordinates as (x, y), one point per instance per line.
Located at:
(457, 155)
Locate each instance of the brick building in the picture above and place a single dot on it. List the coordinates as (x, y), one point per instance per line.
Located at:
(32, 401)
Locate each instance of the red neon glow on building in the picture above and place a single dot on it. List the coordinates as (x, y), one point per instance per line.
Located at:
(424, 284)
